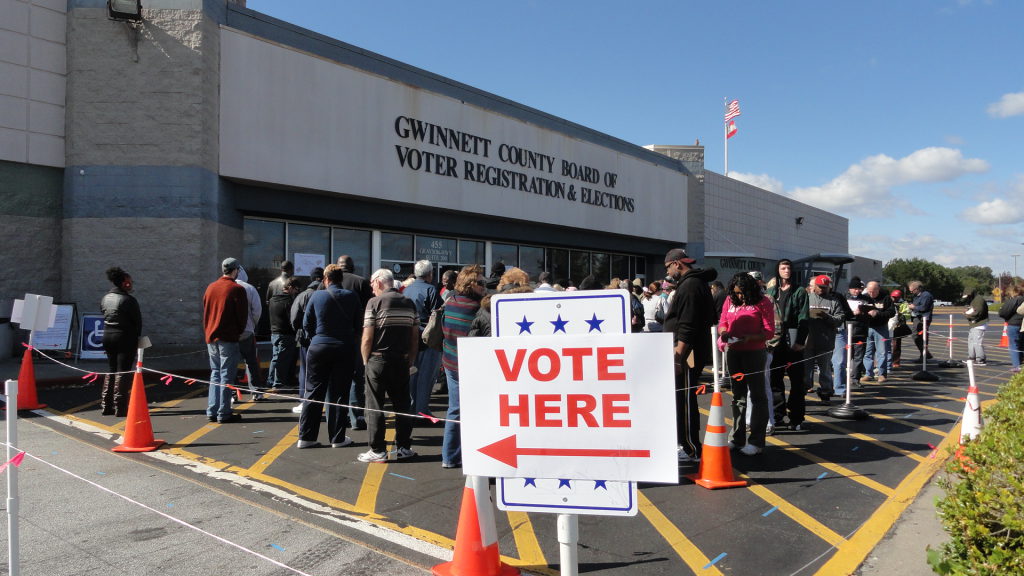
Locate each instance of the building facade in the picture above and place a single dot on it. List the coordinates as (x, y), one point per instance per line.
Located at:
(210, 130)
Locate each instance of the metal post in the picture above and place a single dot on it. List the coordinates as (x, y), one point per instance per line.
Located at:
(568, 538)
(849, 360)
(12, 479)
(716, 359)
(848, 411)
(950, 363)
(924, 375)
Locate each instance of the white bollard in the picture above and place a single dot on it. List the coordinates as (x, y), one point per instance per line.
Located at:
(568, 538)
(12, 479)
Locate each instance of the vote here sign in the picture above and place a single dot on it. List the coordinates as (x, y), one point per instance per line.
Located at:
(583, 407)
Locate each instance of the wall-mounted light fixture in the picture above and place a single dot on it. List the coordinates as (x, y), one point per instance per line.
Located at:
(124, 9)
(799, 220)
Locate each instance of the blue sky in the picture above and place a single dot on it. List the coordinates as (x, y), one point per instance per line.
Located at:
(906, 117)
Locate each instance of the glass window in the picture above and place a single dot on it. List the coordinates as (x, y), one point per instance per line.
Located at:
(396, 247)
(531, 260)
(507, 254)
(402, 270)
(620, 267)
(470, 252)
(437, 250)
(309, 243)
(262, 255)
(558, 264)
(354, 243)
(640, 269)
(579, 266)
(599, 267)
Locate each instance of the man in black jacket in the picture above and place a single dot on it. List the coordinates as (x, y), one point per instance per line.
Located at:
(298, 312)
(282, 335)
(361, 286)
(689, 318)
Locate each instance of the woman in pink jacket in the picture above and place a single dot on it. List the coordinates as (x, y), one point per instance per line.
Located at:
(748, 320)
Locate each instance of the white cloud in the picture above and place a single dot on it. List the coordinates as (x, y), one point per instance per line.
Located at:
(1008, 105)
(954, 140)
(1007, 208)
(865, 188)
(760, 180)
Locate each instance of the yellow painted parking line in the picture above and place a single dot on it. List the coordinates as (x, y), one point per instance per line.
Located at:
(530, 552)
(836, 468)
(682, 545)
(369, 489)
(209, 427)
(794, 513)
(928, 429)
(931, 408)
(290, 439)
(866, 438)
(90, 404)
(864, 540)
(841, 471)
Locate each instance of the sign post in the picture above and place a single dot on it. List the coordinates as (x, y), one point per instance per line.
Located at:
(564, 405)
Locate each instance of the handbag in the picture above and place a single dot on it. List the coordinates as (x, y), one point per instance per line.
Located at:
(433, 334)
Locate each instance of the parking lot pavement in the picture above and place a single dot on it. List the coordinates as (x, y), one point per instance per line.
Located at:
(818, 502)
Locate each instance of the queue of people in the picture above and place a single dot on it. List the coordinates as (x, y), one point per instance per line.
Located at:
(340, 323)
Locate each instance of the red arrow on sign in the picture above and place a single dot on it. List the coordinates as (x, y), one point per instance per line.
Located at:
(508, 452)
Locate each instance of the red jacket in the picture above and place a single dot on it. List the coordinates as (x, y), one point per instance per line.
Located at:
(225, 310)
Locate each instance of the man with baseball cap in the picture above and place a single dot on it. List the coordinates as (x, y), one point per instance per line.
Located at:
(225, 312)
(827, 312)
(689, 319)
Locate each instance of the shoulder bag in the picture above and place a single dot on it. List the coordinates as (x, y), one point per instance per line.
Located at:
(433, 334)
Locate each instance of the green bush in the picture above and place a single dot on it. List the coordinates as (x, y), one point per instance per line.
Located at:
(984, 506)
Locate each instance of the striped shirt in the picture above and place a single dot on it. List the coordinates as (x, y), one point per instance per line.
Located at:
(392, 317)
(459, 312)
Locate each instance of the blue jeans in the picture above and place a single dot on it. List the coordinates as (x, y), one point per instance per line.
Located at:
(839, 363)
(421, 384)
(879, 353)
(1013, 339)
(976, 343)
(282, 362)
(823, 361)
(247, 348)
(357, 394)
(451, 446)
(224, 357)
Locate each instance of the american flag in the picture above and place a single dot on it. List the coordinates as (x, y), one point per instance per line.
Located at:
(733, 110)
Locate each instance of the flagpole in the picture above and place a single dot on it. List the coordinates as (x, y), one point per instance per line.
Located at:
(725, 133)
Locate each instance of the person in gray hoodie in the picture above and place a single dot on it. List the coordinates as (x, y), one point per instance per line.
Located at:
(977, 321)
(827, 312)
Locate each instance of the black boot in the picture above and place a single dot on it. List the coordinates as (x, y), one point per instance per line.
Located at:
(107, 396)
(121, 395)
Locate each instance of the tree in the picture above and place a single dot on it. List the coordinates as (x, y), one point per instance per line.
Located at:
(943, 283)
(977, 278)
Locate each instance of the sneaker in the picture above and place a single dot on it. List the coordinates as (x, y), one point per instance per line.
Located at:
(750, 450)
(770, 430)
(308, 444)
(256, 398)
(236, 417)
(211, 418)
(865, 379)
(371, 456)
(882, 379)
(447, 465)
(346, 442)
(404, 453)
(801, 427)
(297, 409)
(980, 363)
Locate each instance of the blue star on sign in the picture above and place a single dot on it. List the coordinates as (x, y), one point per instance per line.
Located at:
(563, 482)
(600, 484)
(560, 324)
(529, 482)
(595, 324)
(524, 326)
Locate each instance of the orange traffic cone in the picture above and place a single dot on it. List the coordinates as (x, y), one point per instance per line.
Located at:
(716, 463)
(971, 423)
(1004, 342)
(27, 398)
(138, 430)
(476, 540)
